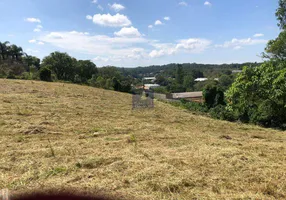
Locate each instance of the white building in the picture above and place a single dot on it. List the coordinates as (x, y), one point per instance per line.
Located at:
(150, 86)
(201, 79)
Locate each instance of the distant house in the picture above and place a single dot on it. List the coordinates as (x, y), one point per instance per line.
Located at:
(201, 79)
(189, 96)
(150, 86)
(204, 79)
(149, 79)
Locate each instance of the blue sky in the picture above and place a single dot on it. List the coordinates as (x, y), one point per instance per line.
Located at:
(131, 33)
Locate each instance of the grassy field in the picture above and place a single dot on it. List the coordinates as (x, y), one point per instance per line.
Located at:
(70, 137)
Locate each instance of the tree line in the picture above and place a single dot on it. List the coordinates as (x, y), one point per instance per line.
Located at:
(14, 63)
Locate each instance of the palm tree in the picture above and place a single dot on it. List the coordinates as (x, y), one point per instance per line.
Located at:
(4, 49)
(15, 51)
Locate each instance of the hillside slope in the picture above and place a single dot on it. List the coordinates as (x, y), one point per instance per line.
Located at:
(64, 136)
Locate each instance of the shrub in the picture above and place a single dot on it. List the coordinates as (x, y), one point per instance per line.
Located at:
(161, 90)
(221, 112)
(11, 75)
(45, 74)
(194, 106)
(77, 79)
(213, 96)
(26, 76)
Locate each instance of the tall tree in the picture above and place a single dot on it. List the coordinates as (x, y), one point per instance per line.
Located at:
(15, 51)
(179, 74)
(61, 64)
(276, 49)
(281, 14)
(85, 69)
(4, 49)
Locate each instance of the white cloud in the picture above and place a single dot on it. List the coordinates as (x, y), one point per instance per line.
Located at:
(191, 45)
(158, 22)
(37, 30)
(183, 3)
(241, 42)
(33, 20)
(258, 35)
(96, 45)
(137, 53)
(32, 41)
(194, 45)
(116, 7)
(150, 26)
(89, 17)
(207, 3)
(94, 1)
(117, 20)
(55, 35)
(162, 52)
(128, 32)
(100, 7)
(99, 58)
(167, 18)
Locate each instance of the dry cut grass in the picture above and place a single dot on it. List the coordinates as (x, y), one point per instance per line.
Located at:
(63, 136)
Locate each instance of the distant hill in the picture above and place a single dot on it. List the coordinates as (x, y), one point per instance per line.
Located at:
(70, 137)
(169, 69)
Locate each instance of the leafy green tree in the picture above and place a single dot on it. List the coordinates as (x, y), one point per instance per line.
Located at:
(4, 49)
(225, 81)
(176, 88)
(116, 84)
(31, 61)
(189, 82)
(77, 79)
(92, 81)
(161, 80)
(109, 72)
(108, 84)
(258, 94)
(45, 74)
(61, 64)
(276, 49)
(125, 85)
(100, 82)
(281, 14)
(213, 96)
(85, 69)
(15, 52)
(197, 73)
(179, 74)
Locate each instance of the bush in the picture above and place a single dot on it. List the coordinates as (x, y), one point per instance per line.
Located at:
(11, 75)
(194, 106)
(213, 96)
(221, 112)
(161, 90)
(26, 76)
(77, 79)
(45, 74)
